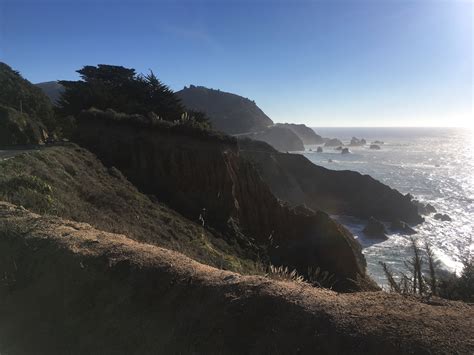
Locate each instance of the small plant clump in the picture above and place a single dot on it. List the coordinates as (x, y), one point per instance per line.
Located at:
(314, 277)
(283, 273)
(320, 278)
(423, 278)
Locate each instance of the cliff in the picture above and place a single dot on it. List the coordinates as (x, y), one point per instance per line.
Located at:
(293, 178)
(200, 174)
(279, 137)
(229, 113)
(68, 288)
(306, 134)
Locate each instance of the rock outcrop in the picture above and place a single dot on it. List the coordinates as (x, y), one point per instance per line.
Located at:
(280, 138)
(374, 147)
(345, 151)
(69, 288)
(293, 178)
(375, 229)
(306, 134)
(334, 142)
(424, 209)
(442, 217)
(357, 142)
(402, 227)
(193, 169)
(229, 113)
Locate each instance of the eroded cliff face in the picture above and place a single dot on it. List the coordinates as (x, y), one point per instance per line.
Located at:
(293, 178)
(201, 175)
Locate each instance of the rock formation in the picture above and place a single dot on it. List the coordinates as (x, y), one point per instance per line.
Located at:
(424, 209)
(334, 142)
(280, 138)
(402, 227)
(345, 151)
(319, 150)
(357, 142)
(374, 147)
(306, 134)
(375, 229)
(442, 217)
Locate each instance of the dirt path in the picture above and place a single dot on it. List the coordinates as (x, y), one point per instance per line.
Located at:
(69, 288)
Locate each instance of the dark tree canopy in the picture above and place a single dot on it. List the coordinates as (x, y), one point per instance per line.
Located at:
(21, 95)
(123, 90)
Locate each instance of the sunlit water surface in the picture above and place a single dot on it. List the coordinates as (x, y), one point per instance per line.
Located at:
(433, 164)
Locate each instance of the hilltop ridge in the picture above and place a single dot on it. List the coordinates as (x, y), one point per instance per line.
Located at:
(229, 113)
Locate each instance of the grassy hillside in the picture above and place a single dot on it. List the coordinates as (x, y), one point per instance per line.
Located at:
(70, 182)
(21, 95)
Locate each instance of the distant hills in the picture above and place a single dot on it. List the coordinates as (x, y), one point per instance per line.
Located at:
(52, 89)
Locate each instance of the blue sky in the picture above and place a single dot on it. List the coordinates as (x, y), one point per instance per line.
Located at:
(324, 63)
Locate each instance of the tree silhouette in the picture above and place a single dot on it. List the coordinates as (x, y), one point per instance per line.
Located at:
(121, 89)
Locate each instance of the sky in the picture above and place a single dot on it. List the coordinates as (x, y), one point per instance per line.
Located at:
(323, 63)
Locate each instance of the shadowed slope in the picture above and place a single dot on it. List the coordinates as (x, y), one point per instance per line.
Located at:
(68, 288)
(293, 178)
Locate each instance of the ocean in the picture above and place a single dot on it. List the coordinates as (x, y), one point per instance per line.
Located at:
(435, 165)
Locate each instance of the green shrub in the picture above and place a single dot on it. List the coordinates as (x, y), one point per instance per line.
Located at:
(29, 191)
